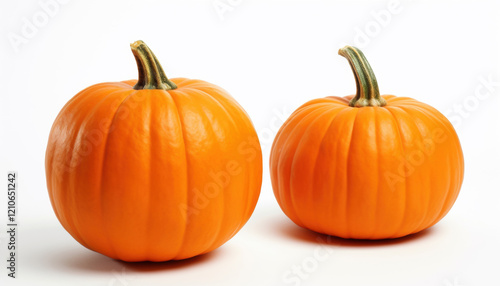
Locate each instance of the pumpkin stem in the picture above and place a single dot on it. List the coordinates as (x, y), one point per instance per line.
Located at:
(367, 93)
(151, 74)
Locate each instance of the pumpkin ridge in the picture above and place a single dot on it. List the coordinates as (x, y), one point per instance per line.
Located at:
(345, 113)
(66, 197)
(446, 197)
(338, 110)
(249, 208)
(49, 170)
(188, 206)
(312, 124)
(409, 103)
(180, 81)
(396, 225)
(88, 90)
(324, 101)
(216, 236)
(337, 100)
(223, 95)
(192, 83)
(405, 209)
(295, 114)
(428, 114)
(424, 112)
(449, 201)
(166, 130)
(229, 116)
(105, 147)
(279, 192)
(389, 97)
(428, 193)
(347, 228)
(375, 119)
(293, 203)
(199, 107)
(50, 153)
(84, 122)
(152, 146)
(368, 118)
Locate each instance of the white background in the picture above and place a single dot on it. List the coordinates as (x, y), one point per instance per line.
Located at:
(272, 56)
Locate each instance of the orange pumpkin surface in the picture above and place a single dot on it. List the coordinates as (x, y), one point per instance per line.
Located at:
(154, 169)
(366, 166)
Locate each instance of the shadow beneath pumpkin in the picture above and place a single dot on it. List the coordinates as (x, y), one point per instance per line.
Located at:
(169, 265)
(293, 231)
(95, 262)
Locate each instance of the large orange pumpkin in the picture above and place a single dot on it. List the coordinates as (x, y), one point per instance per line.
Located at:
(366, 166)
(154, 169)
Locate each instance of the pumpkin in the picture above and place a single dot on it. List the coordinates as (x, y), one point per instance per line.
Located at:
(153, 169)
(366, 166)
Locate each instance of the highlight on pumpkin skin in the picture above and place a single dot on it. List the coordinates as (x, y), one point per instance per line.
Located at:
(367, 92)
(151, 74)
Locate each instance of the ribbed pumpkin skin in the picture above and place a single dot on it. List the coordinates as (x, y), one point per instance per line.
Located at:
(366, 173)
(153, 175)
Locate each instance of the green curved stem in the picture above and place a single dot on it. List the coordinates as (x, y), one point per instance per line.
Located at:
(151, 74)
(367, 93)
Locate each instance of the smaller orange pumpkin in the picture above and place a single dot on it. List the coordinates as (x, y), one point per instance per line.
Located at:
(366, 166)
